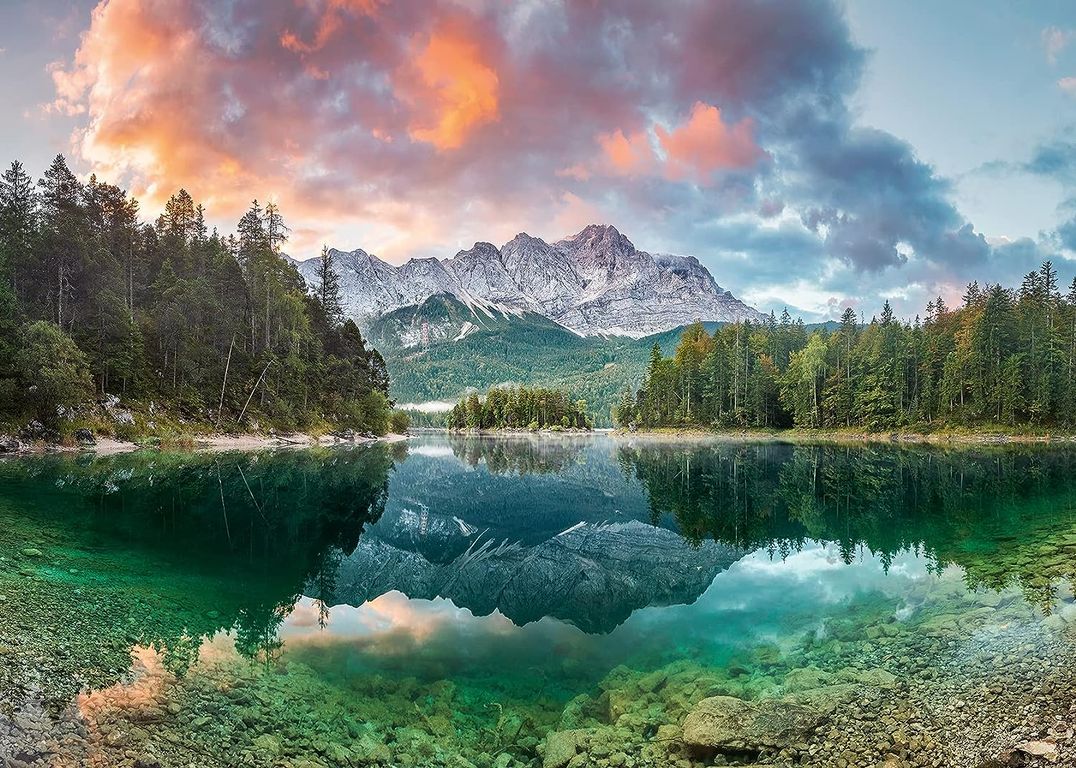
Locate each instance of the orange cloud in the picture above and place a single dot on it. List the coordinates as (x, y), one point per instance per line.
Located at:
(628, 155)
(458, 92)
(693, 151)
(706, 144)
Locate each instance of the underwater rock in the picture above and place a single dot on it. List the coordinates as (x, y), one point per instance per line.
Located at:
(561, 747)
(805, 679)
(725, 723)
(877, 677)
(1047, 750)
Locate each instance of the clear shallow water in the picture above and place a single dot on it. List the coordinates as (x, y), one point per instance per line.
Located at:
(456, 601)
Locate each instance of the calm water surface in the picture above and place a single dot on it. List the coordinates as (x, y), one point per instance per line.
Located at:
(499, 602)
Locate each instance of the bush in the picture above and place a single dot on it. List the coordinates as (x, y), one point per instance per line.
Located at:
(53, 370)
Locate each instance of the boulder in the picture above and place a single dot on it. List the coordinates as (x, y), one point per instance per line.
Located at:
(85, 437)
(561, 747)
(877, 677)
(116, 412)
(9, 444)
(34, 430)
(805, 678)
(1047, 750)
(725, 723)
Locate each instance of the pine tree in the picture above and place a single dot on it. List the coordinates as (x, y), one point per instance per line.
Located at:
(63, 238)
(328, 288)
(18, 224)
(276, 231)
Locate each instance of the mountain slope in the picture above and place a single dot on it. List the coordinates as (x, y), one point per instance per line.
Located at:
(442, 348)
(595, 282)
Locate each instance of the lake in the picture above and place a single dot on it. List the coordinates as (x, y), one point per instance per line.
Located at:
(548, 601)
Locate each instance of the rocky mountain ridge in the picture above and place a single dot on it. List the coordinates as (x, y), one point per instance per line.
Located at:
(595, 282)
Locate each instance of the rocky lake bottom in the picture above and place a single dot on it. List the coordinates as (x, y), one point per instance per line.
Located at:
(540, 601)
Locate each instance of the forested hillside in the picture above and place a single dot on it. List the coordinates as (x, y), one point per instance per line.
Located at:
(527, 349)
(1005, 357)
(180, 323)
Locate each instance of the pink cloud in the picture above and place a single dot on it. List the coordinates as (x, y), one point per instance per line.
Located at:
(330, 21)
(694, 151)
(628, 155)
(705, 144)
(1054, 41)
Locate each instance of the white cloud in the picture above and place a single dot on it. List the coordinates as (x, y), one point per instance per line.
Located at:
(1054, 41)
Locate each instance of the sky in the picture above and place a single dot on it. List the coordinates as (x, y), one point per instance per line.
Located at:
(813, 154)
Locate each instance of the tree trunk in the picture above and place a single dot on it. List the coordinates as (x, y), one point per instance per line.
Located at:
(227, 365)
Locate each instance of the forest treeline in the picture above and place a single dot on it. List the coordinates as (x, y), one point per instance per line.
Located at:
(212, 328)
(520, 408)
(1004, 357)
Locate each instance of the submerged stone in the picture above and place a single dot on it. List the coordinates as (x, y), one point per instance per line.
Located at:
(725, 723)
(561, 747)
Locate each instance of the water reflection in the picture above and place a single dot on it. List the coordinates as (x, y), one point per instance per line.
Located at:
(165, 551)
(1002, 514)
(469, 594)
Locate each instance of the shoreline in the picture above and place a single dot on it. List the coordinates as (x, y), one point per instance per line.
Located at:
(246, 441)
(804, 436)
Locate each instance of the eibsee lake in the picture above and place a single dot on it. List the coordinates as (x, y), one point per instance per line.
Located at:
(539, 601)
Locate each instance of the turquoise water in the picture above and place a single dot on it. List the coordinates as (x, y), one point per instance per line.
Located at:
(515, 601)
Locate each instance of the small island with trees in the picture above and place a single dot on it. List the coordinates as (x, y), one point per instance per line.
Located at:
(520, 409)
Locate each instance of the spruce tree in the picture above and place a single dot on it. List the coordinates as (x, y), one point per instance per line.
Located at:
(328, 288)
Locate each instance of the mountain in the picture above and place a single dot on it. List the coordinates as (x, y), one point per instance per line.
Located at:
(440, 349)
(593, 283)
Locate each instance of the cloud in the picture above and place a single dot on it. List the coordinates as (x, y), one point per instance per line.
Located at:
(458, 91)
(416, 127)
(1054, 41)
(1068, 85)
(704, 144)
(1055, 160)
(628, 155)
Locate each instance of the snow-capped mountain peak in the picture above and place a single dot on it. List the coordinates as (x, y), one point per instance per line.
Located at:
(595, 281)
